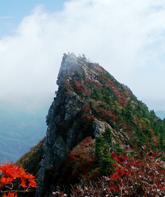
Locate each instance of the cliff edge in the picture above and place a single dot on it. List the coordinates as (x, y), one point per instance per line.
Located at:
(90, 103)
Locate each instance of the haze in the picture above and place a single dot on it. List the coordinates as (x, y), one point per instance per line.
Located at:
(126, 37)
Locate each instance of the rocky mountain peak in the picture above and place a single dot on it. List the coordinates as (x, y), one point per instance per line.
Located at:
(70, 64)
(91, 104)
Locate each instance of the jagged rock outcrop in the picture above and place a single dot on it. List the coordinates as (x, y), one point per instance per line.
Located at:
(89, 103)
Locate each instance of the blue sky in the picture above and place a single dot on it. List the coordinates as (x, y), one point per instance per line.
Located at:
(12, 11)
(127, 37)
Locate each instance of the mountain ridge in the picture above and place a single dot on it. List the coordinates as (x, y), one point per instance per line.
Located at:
(91, 107)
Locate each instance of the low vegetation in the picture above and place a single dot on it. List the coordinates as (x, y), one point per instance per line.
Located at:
(15, 181)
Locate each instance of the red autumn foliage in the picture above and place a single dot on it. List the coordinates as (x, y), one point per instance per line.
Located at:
(14, 179)
(80, 161)
(122, 98)
(82, 152)
(81, 89)
(130, 177)
(10, 194)
(107, 114)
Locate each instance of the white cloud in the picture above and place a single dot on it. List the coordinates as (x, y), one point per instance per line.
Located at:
(125, 36)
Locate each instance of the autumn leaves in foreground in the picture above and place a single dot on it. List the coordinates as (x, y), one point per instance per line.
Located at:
(14, 180)
(129, 176)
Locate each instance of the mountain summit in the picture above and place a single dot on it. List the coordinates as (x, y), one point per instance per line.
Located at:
(90, 107)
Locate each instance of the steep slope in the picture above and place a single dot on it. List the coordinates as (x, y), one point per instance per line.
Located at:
(91, 109)
(32, 159)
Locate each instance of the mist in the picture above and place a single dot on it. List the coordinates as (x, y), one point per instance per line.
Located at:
(126, 37)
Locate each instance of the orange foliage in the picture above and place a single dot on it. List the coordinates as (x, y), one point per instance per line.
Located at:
(13, 179)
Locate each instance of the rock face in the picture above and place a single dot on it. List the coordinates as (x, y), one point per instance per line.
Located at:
(90, 102)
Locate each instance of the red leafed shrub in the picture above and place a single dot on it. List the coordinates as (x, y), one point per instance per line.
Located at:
(14, 179)
(144, 177)
(10, 194)
(81, 89)
(122, 98)
(130, 177)
(106, 114)
(82, 153)
(79, 163)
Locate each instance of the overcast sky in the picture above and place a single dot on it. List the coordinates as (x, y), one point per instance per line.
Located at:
(127, 37)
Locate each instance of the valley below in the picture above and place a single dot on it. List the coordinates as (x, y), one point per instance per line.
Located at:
(19, 131)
